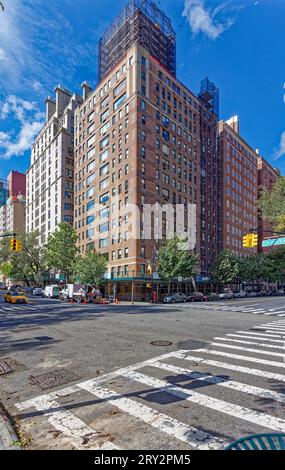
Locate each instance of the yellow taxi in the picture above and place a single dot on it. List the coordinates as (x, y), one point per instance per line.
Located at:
(15, 298)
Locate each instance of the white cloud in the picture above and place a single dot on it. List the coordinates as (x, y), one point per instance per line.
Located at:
(211, 22)
(281, 150)
(29, 122)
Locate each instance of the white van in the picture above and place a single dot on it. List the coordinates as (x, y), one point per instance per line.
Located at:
(52, 292)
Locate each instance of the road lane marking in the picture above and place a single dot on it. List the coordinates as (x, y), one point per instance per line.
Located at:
(237, 411)
(174, 428)
(67, 423)
(221, 381)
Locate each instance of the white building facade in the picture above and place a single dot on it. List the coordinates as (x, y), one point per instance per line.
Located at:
(50, 177)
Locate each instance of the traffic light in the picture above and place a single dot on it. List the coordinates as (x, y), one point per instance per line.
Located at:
(13, 244)
(254, 239)
(246, 241)
(19, 245)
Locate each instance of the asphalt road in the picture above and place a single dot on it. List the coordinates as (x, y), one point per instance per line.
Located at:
(219, 375)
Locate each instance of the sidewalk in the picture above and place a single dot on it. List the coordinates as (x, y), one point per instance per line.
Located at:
(7, 434)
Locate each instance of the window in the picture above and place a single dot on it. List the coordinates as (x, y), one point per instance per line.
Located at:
(105, 103)
(104, 170)
(91, 116)
(120, 101)
(118, 90)
(90, 233)
(91, 166)
(104, 184)
(105, 116)
(104, 213)
(104, 227)
(104, 156)
(90, 219)
(104, 243)
(91, 178)
(104, 198)
(91, 141)
(90, 205)
(104, 142)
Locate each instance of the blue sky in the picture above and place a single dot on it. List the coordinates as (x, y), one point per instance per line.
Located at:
(239, 44)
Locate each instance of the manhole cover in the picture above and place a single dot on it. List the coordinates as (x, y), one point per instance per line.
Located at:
(161, 343)
(53, 379)
(4, 368)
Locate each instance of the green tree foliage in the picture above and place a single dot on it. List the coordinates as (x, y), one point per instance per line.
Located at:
(60, 251)
(90, 269)
(226, 268)
(6, 269)
(175, 261)
(272, 204)
(27, 265)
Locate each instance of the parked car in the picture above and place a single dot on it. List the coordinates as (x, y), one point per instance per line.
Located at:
(212, 296)
(15, 298)
(226, 294)
(51, 292)
(281, 292)
(197, 297)
(28, 290)
(15, 288)
(174, 298)
(239, 294)
(38, 291)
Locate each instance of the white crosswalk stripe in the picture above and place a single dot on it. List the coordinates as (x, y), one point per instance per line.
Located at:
(278, 311)
(194, 377)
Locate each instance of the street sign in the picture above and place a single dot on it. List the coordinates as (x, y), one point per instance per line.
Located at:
(202, 279)
(60, 277)
(273, 242)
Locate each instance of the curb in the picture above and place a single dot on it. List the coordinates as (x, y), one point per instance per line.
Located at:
(8, 437)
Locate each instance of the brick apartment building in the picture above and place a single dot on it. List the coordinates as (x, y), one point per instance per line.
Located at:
(239, 188)
(17, 183)
(141, 137)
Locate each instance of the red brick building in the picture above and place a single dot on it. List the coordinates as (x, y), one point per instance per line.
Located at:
(238, 188)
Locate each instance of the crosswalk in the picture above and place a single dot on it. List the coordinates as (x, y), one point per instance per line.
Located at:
(14, 308)
(192, 399)
(250, 308)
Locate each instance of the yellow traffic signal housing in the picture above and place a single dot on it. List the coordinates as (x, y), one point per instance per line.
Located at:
(246, 241)
(254, 239)
(19, 245)
(13, 244)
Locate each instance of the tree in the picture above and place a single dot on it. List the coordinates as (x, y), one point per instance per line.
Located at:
(174, 261)
(90, 269)
(60, 251)
(226, 268)
(27, 264)
(6, 269)
(272, 204)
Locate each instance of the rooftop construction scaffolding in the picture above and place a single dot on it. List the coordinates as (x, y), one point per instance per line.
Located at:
(142, 22)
